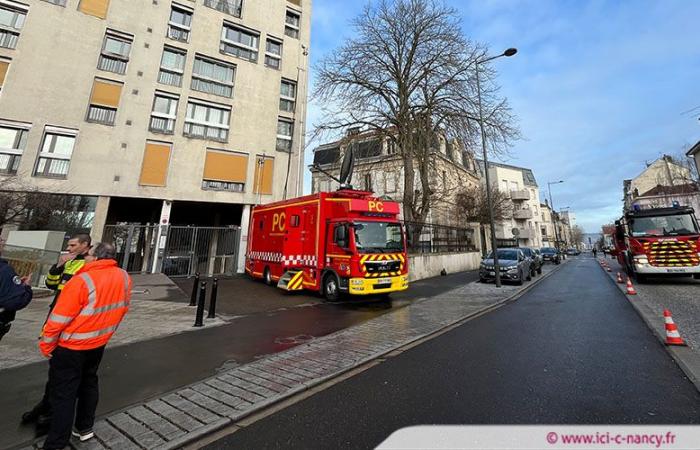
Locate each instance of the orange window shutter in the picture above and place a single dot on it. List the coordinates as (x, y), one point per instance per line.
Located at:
(105, 94)
(263, 176)
(226, 167)
(295, 2)
(4, 65)
(154, 171)
(97, 8)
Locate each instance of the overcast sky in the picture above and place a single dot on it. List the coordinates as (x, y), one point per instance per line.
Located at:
(599, 87)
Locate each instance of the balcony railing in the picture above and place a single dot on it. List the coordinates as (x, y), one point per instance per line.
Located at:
(522, 214)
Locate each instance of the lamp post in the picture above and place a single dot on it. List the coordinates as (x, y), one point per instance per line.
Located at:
(554, 217)
(497, 270)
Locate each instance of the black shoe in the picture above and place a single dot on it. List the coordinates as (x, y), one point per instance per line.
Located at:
(30, 416)
(4, 328)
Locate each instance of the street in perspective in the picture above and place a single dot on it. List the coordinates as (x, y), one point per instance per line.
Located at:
(391, 224)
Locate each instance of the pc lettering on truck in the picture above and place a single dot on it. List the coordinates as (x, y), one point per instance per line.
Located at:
(346, 241)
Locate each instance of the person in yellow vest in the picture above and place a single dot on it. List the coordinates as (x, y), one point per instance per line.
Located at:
(59, 274)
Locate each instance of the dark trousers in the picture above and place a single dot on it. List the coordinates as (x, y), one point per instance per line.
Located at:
(72, 376)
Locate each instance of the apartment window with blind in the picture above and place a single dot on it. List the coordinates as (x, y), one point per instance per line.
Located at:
(180, 23)
(97, 8)
(284, 135)
(55, 153)
(172, 66)
(264, 170)
(154, 168)
(12, 16)
(273, 53)
(4, 66)
(13, 140)
(212, 76)
(206, 120)
(115, 52)
(104, 101)
(288, 94)
(240, 42)
(164, 113)
(225, 171)
(231, 7)
(291, 24)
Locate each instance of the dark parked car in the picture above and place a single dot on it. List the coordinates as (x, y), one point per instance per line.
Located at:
(550, 254)
(535, 260)
(513, 264)
(572, 251)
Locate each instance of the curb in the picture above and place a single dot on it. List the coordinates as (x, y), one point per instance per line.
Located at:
(212, 428)
(686, 358)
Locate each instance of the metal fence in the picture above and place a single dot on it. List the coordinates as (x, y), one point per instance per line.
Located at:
(184, 250)
(30, 261)
(432, 238)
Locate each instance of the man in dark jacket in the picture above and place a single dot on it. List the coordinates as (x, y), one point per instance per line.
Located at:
(15, 293)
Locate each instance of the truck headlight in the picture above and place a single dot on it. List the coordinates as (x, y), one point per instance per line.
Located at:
(642, 259)
(357, 282)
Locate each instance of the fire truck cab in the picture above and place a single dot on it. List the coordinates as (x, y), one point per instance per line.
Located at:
(658, 242)
(345, 241)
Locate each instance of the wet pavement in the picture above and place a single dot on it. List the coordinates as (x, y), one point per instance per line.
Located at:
(134, 372)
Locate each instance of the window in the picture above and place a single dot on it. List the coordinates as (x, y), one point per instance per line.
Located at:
(97, 8)
(164, 113)
(172, 66)
(207, 121)
(55, 153)
(389, 182)
(273, 53)
(11, 22)
(291, 24)
(232, 7)
(225, 171)
(180, 23)
(213, 77)
(156, 159)
(115, 52)
(390, 147)
(284, 135)
(368, 182)
(239, 42)
(4, 66)
(294, 222)
(264, 168)
(13, 140)
(288, 93)
(104, 101)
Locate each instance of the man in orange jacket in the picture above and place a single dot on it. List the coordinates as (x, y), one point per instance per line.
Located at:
(87, 313)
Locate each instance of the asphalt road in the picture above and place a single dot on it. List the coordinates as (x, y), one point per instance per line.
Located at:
(570, 351)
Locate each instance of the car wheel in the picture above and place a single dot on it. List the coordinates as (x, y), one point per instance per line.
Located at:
(267, 276)
(331, 288)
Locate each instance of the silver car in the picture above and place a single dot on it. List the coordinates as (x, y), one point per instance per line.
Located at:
(513, 265)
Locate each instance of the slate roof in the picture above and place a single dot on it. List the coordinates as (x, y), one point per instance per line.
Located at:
(528, 175)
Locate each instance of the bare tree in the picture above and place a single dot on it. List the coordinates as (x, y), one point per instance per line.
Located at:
(409, 75)
(472, 206)
(577, 235)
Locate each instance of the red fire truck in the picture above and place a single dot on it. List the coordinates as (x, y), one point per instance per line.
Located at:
(658, 242)
(345, 241)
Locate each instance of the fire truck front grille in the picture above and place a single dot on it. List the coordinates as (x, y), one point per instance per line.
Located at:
(672, 253)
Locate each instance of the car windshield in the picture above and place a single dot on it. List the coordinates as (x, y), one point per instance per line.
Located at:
(378, 237)
(527, 251)
(506, 255)
(676, 225)
(549, 250)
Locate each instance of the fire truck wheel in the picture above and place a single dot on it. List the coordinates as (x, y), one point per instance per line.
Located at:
(330, 287)
(267, 276)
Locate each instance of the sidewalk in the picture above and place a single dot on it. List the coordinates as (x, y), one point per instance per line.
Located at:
(186, 414)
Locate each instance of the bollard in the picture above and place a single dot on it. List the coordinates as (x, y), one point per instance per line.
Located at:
(212, 299)
(199, 318)
(193, 297)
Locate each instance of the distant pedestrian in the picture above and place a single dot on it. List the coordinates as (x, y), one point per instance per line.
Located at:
(595, 252)
(15, 293)
(87, 313)
(68, 264)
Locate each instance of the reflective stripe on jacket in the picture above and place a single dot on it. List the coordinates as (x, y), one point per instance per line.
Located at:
(58, 276)
(90, 308)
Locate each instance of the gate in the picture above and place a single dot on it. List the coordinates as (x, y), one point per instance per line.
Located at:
(187, 250)
(205, 250)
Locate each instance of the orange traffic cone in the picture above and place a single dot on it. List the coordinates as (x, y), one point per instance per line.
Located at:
(608, 268)
(673, 337)
(619, 278)
(630, 288)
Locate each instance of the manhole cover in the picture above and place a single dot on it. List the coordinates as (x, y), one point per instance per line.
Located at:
(294, 340)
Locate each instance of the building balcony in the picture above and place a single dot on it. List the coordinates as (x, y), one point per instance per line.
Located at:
(526, 234)
(520, 195)
(522, 214)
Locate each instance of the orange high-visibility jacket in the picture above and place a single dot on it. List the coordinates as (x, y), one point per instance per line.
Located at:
(89, 309)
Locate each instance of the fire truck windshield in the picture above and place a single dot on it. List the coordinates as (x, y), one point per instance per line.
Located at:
(378, 237)
(676, 225)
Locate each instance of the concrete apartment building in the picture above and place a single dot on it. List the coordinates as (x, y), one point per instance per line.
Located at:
(520, 186)
(187, 111)
(663, 182)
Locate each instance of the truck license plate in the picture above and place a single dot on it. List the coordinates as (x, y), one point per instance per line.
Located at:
(493, 274)
(383, 281)
(675, 270)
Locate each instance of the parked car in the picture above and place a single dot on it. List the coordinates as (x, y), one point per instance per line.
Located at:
(513, 264)
(572, 252)
(535, 260)
(550, 254)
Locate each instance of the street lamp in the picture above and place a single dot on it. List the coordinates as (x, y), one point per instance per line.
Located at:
(496, 268)
(551, 205)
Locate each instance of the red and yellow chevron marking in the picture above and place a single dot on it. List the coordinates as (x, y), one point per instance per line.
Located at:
(295, 283)
(382, 257)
